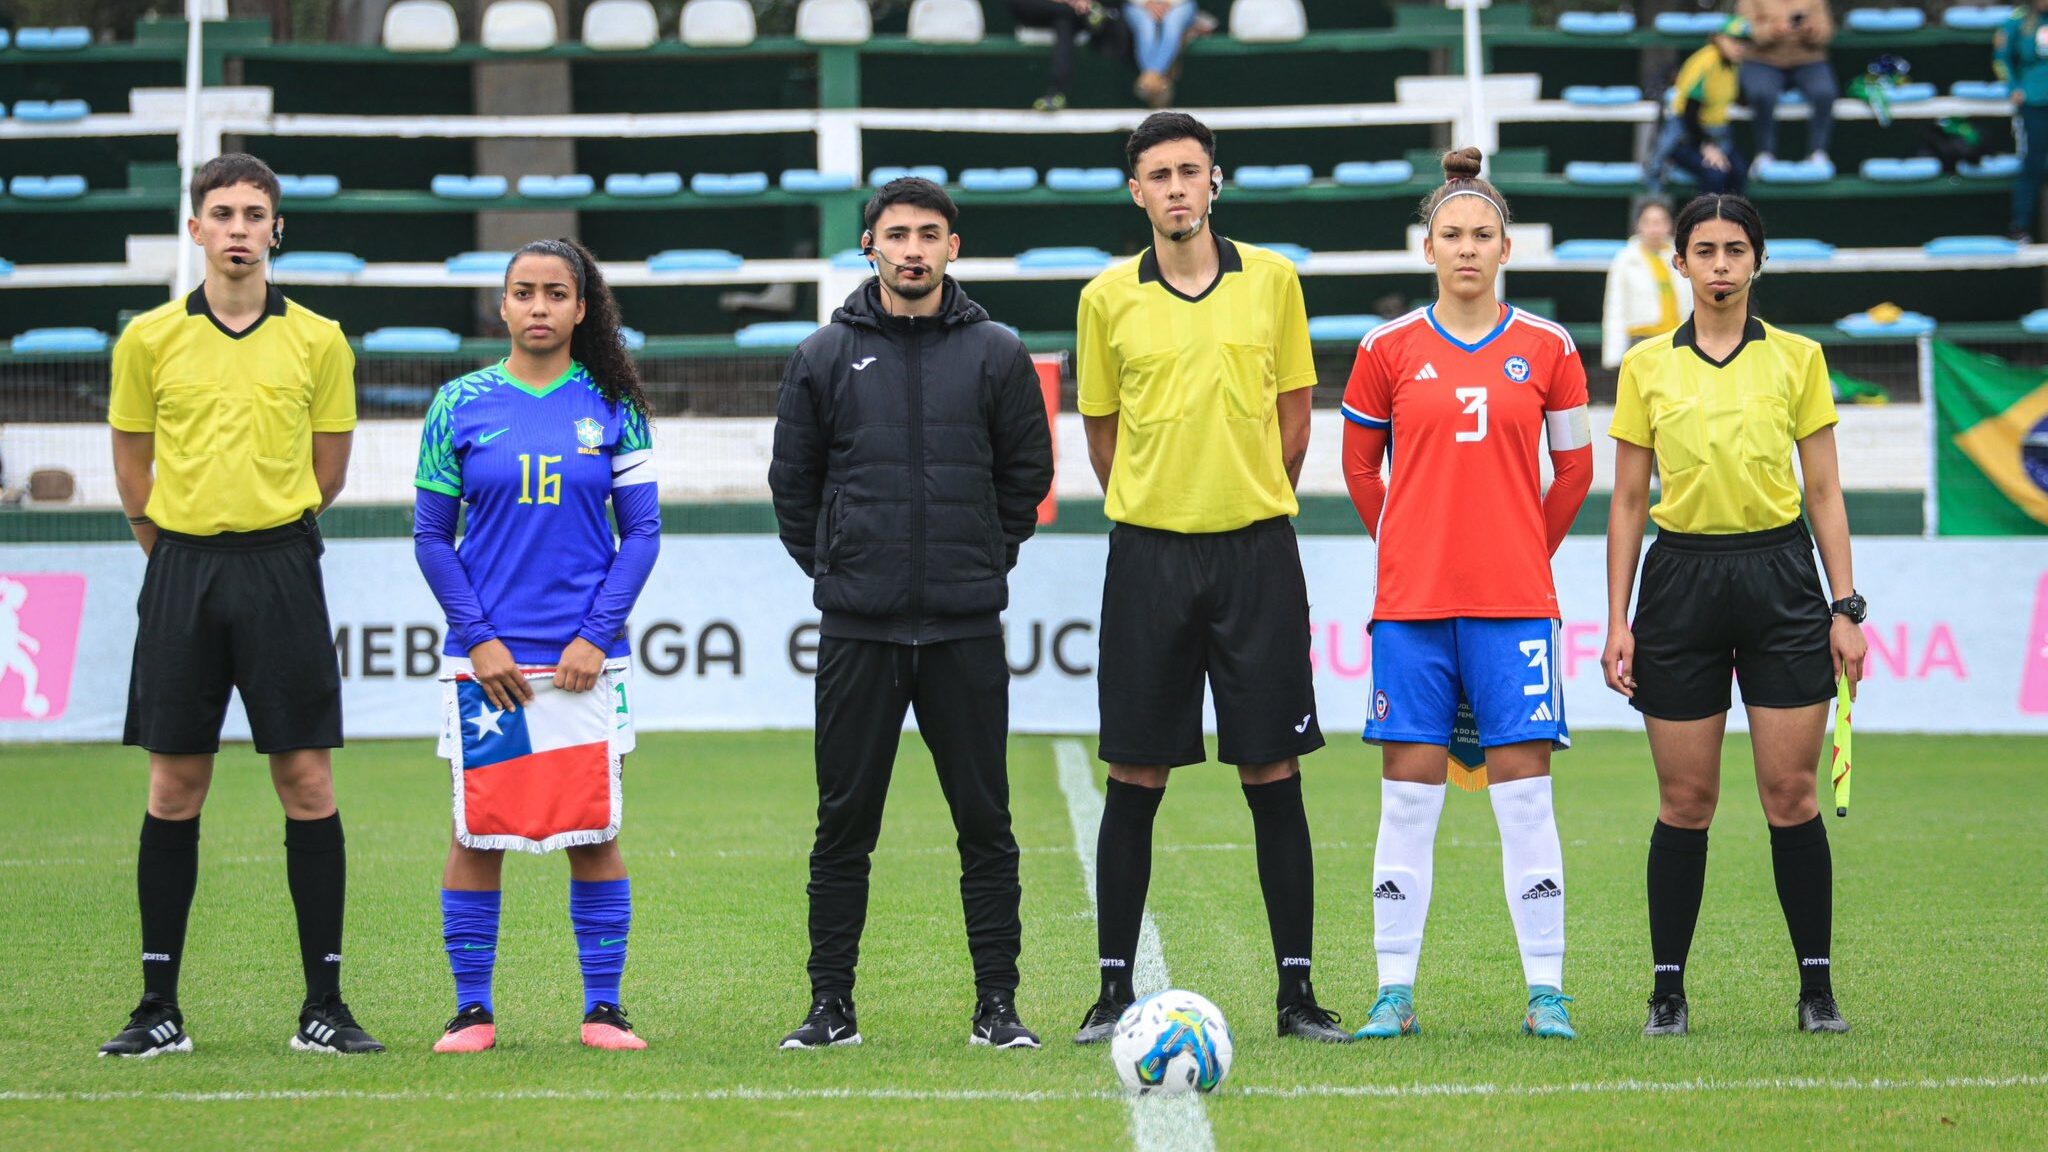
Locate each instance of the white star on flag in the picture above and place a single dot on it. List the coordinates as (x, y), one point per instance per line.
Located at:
(486, 720)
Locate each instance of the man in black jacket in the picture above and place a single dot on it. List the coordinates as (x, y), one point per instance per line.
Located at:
(912, 449)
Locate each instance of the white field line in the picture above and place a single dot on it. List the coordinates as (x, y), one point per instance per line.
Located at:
(947, 1096)
(1157, 1122)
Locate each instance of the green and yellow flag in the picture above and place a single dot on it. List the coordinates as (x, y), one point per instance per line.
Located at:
(1991, 459)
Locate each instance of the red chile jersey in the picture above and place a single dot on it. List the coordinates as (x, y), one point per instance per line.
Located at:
(1462, 533)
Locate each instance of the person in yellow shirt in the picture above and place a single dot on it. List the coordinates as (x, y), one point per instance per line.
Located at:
(1194, 369)
(1693, 131)
(232, 411)
(1722, 405)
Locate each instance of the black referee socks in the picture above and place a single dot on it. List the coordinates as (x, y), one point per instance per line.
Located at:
(1123, 873)
(1678, 876)
(166, 873)
(316, 867)
(1806, 889)
(1287, 877)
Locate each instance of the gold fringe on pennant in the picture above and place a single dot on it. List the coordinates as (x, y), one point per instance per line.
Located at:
(1470, 779)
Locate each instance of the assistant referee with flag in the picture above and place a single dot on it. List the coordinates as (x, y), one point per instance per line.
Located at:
(232, 411)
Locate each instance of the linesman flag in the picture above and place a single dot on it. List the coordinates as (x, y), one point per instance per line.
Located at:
(1991, 458)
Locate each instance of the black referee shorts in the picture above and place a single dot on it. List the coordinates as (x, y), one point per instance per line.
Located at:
(1231, 605)
(240, 610)
(1748, 604)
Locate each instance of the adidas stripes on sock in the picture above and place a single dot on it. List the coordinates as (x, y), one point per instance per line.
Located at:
(469, 930)
(1677, 878)
(1532, 872)
(1403, 865)
(166, 875)
(1123, 873)
(601, 911)
(1805, 872)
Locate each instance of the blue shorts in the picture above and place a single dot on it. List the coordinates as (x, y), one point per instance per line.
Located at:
(1508, 669)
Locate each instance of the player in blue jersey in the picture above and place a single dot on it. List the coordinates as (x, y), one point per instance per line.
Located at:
(535, 445)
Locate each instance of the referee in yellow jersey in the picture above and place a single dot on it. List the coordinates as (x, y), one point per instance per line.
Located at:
(232, 412)
(1195, 371)
(1722, 405)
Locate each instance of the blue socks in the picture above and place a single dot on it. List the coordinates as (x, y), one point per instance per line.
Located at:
(601, 911)
(469, 927)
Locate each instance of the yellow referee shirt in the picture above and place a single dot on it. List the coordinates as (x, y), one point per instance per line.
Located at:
(233, 413)
(1194, 382)
(1724, 433)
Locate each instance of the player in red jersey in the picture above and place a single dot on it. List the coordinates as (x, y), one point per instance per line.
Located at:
(1461, 392)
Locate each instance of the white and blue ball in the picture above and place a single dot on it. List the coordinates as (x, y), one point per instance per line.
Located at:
(1171, 1042)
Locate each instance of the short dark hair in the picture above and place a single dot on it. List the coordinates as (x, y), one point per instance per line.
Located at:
(1163, 127)
(232, 168)
(915, 191)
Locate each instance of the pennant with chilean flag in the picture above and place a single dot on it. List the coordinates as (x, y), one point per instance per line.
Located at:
(537, 778)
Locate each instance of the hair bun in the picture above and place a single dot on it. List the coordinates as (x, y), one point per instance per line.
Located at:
(1463, 164)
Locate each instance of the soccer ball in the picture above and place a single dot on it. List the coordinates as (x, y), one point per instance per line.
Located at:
(1171, 1042)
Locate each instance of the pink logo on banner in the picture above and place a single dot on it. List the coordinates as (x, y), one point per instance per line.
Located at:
(2034, 680)
(39, 618)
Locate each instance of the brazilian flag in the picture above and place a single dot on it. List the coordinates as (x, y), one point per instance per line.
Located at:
(1991, 444)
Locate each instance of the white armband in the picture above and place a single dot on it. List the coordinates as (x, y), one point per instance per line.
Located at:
(1568, 429)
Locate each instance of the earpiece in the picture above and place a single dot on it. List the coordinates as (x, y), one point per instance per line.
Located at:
(1215, 183)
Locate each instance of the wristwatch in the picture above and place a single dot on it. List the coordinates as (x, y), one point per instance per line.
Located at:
(1854, 606)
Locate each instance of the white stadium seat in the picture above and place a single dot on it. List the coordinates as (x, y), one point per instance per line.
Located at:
(1267, 21)
(717, 24)
(620, 25)
(946, 22)
(519, 26)
(834, 22)
(421, 26)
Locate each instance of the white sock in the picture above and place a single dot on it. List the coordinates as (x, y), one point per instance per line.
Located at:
(1532, 870)
(1403, 864)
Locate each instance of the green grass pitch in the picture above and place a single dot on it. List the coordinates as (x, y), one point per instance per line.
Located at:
(1939, 947)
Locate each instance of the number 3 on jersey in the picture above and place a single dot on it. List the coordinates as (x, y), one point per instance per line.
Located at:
(1475, 406)
(550, 484)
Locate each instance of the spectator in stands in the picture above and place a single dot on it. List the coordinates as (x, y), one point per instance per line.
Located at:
(1068, 19)
(1788, 49)
(1160, 30)
(1694, 132)
(2017, 56)
(1645, 297)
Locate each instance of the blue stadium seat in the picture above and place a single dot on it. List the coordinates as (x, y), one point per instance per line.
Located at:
(999, 179)
(1272, 176)
(411, 340)
(1605, 173)
(6, 268)
(570, 187)
(47, 187)
(1800, 248)
(1970, 246)
(1596, 23)
(58, 340)
(468, 263)
(50, 111)
(729, 183)
(694, 260)
(1602, 95)
(1980, 89)
(1064, 257)
(3, 107)
(309, 187)
(1885, 19)
(345, 262)
(636, 185)
(1912, 93)
(632, 339)
(459, 187)
(1976, 17)
(1594, 251)
(812, 180)
(1908, 324)
(6, 37)
(2035, 322)
(888, 172)
(1373, 173)
(1083, 179)
(1342, 327)
(1999, 167)
(1796, 172)
(1294, 253)
(1690, 23)
(775, 334)
(1900, 170)
(850, 260)
(69, 38)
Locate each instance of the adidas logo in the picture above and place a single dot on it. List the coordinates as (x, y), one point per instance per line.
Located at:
(1545, 889)
(1387, 891)
(1542, 712)
(163, 1032)
(319, 1033)
(1428, 372)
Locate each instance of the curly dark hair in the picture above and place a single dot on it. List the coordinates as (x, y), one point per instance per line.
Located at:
(596, 343)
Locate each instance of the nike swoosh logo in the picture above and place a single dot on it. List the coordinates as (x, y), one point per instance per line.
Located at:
(604, 943)
(834, 1033)
(474, 947)
(487, 437)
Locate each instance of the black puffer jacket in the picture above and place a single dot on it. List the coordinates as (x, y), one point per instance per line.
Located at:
(911, 454)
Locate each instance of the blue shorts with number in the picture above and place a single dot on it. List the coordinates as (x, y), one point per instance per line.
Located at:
(1508, 669)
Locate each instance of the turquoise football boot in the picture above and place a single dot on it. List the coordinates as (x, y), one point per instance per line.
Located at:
(1547, 1015)
(1393, 1014)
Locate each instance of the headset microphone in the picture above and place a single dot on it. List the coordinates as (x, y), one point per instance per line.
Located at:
(276, 239)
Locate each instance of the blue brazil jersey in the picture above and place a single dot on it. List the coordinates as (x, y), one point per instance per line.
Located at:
(535, 467)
